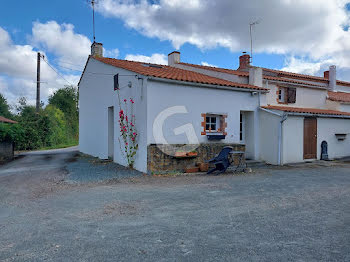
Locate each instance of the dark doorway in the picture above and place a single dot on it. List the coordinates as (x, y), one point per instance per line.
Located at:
(310, 138)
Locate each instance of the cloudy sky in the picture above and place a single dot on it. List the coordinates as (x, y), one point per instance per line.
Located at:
(304, 36)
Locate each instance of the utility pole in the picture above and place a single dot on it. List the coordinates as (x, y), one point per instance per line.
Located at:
(38, 84)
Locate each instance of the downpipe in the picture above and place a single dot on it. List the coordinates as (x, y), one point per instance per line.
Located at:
(283, 118)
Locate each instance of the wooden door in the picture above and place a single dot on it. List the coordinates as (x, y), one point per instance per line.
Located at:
(310, 138)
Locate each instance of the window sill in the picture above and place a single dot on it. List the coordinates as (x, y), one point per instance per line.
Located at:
(215, 135)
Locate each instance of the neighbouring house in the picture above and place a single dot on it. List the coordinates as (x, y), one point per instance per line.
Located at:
(6, 147)
(274, 116)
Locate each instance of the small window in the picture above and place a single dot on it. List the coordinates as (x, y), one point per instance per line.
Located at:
(280, 95)
(211, 123)
(214, 124)
(287, 95)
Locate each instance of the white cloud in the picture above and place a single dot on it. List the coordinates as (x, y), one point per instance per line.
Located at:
(18, 72)
(313, 29)
(62, 41)
(114, 53)
(207, 64)
(153, 59)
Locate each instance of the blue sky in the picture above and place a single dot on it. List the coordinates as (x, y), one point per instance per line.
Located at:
(299, 36)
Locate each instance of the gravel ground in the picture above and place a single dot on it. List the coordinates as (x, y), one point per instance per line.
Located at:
(288, 214)
(87, 169)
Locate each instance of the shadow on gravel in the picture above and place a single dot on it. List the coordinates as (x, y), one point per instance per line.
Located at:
(87, 169)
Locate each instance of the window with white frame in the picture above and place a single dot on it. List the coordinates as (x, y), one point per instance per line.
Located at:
(281, 95)
(212, 123)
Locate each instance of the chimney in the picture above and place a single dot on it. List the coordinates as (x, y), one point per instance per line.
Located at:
(326, 74)
(173, 58)
(332, 77)
(244, 61)
(97, 49)
(256, 76)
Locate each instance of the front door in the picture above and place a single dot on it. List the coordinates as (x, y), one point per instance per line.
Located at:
(310, 138)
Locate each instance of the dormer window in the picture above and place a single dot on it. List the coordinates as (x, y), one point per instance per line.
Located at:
(286, 95)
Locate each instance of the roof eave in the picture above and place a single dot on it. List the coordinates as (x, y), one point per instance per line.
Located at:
(223, 87)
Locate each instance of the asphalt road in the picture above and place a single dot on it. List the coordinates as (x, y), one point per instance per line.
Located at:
(288, 214)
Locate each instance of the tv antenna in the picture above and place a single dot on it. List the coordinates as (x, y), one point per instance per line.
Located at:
(251, 38)
(93, 3)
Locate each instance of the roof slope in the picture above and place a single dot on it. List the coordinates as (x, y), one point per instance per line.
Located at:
(307, 110)
(5, 120)
(218, 69)
(245, 73)
(339, 96)
(173, 73)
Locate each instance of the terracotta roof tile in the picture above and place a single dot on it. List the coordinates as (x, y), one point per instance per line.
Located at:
(244, 73)
(339, 96)
(304, 77)
(290, 81)
(307, 110)
(218, 69)
(173, 73)
(5, 120)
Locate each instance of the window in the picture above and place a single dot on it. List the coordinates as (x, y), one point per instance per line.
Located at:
(281, 95)
(286, 95)
(214, 124)
(241, 127)
(211, 123)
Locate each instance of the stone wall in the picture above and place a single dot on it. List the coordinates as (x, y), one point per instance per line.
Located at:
(160, 158)
(6, 151)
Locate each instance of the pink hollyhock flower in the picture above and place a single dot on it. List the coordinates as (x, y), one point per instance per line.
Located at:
(125, 100)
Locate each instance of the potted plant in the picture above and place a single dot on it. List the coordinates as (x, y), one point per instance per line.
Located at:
(180, 153)
(192, 153)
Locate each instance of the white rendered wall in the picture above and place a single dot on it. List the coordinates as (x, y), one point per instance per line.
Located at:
(96, 94)
(162, 96)
(293, 140)
(340, 88)
(305, 97)
(344, 108)
(327, 128)
(269, 129)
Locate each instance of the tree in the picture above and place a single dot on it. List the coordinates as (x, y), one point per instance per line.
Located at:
(66, 99)
(4, 107)
(58, 127)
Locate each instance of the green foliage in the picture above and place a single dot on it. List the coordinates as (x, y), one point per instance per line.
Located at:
(66, 99)
(54, 126)
(10, 132)
(58, 126)
(4, 107)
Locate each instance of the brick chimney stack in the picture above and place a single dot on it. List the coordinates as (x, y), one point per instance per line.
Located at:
(97, 49)
(244, 61)
(326, 74)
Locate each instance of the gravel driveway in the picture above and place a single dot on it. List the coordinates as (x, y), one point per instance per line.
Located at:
(50, 212)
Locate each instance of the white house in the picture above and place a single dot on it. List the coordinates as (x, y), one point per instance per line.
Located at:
(275, 116)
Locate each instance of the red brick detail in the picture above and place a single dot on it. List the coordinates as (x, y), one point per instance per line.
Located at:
(203, 124)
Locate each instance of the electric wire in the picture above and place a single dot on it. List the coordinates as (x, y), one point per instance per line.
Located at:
(59, 74)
